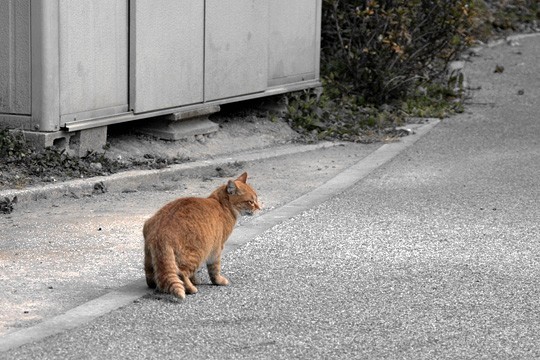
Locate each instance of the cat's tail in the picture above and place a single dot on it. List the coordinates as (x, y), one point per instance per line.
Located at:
(165, 272)
(149, 267)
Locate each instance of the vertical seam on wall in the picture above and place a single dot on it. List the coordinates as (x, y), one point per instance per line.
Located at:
(59, 80)
(11, 55)
(204, 54)
(128, 60)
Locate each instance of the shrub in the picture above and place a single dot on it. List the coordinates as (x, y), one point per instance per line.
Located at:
(377, 50)
(13, 146)
(375, 55)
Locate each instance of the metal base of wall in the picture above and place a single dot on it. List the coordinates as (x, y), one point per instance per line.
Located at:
(188, 110)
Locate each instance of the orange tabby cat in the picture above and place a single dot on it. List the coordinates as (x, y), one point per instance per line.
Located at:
(188, 231)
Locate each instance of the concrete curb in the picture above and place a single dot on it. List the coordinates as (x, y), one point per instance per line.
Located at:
(131, 292)
(499, 42)
(511, 38)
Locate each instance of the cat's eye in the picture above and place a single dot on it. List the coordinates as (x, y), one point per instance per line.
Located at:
(250, 202)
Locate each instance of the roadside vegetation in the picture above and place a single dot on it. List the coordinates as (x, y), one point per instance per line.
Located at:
(22, 165)
(382, 61)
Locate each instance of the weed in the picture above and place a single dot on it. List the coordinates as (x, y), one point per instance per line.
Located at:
(22, 165)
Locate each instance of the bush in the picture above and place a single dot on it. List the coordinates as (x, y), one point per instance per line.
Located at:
(375, 55)
(377, 50)
(12, 146)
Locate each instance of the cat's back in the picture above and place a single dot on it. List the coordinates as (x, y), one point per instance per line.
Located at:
(184, 212)
(185, 208)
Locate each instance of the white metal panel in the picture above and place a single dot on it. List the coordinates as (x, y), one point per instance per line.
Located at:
(45, 68)
(236, 57)
(15, 62)
(293, 41)
(93, 48)
(167, 49)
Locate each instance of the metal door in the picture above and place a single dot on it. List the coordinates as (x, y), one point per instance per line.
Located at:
(294, 41)
(15, 61)
(236, 56)
(93, 58)
(166, 53)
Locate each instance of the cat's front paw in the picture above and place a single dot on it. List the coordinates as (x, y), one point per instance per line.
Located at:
(220, 280)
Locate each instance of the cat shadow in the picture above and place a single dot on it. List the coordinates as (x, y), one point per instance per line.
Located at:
(157, 295)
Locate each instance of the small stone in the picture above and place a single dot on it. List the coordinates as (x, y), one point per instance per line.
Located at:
(200, 138)
(512, 42)
(100, 188)
(96, 166)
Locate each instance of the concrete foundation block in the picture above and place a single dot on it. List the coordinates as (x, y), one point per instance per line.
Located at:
(192, 114)
(178, 130)
(75, 143)
(87, 140)
(182, 125)
(42, 140)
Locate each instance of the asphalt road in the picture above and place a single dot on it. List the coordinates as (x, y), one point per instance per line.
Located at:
(435, 254)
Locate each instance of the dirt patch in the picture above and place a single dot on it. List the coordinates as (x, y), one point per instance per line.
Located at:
(237, 133)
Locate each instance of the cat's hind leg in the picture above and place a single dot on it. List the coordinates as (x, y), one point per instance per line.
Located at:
(188, 285)
(195, 279)
(166, 273)
(214, 271)
(149, 268)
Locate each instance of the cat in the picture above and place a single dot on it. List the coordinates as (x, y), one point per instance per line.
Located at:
(189, 231)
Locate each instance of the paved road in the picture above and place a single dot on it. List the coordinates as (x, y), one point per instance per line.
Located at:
(435, 254)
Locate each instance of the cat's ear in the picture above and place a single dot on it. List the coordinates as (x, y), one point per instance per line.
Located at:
(242, 178)
(231, 188)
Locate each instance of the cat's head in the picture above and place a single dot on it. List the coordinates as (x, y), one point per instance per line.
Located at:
(242, 197)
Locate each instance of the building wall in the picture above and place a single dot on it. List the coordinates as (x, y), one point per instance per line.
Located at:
(15, 62)
(93, 56)
(78, 64)
(167, 54)
(293, 30)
